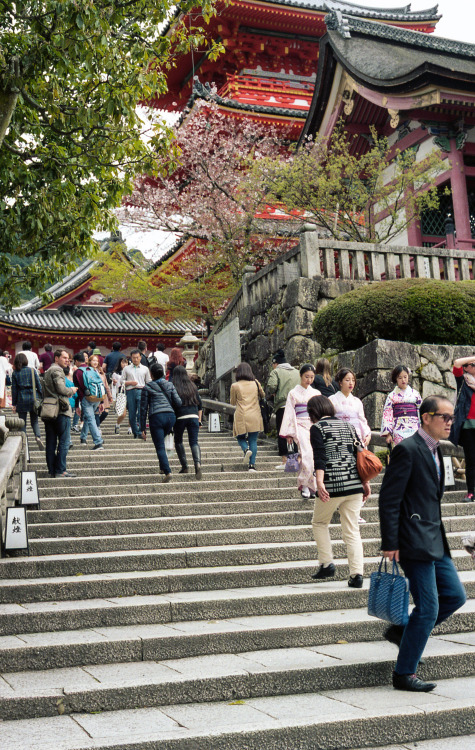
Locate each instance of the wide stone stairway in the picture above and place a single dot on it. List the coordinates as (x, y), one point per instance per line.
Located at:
(182, 616)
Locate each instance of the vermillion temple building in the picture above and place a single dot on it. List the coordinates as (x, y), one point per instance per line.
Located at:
(304, 66)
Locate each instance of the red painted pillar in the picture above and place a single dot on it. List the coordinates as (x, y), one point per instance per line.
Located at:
(460, 198)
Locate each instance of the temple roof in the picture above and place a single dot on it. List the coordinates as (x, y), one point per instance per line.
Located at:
(401, 13)
(387, 59)
(95, 320)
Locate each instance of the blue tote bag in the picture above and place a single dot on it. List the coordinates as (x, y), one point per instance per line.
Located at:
(389, 595)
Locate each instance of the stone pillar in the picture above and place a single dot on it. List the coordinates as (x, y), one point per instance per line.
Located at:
(310, 253)
(248, 273)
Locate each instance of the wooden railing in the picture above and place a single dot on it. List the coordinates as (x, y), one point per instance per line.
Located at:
(316, 258)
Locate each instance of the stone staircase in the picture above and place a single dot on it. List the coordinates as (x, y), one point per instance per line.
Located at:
(183, 617)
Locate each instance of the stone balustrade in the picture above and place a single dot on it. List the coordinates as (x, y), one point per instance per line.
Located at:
(317, 258)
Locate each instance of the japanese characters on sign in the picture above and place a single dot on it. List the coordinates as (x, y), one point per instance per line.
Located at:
(29, 489)
(16, 529)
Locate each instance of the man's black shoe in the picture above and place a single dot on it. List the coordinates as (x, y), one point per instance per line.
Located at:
(412, 683)
(322, 572)
(393, 634)
(355, 582)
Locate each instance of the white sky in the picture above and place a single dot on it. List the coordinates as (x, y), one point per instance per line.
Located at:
(457, 22)
(458, 16)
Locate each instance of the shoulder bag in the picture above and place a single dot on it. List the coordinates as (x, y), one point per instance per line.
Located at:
(36, 399)
(121, 401)
(266, 409)
(367, 464)
(388, 597)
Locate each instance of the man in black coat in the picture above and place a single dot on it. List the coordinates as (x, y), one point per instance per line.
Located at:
(412, 533)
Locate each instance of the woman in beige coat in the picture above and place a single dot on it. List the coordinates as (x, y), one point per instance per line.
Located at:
(245, 395)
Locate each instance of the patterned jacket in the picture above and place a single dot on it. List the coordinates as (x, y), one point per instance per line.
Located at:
(22, 388)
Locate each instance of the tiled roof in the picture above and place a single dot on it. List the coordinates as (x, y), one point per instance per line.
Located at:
(95, 320)
(403, 13)
(68, 284)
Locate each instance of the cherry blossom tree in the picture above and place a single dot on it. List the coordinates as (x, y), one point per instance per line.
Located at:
(204, 198)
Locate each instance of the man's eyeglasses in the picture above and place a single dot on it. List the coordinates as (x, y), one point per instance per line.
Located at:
(448, 418)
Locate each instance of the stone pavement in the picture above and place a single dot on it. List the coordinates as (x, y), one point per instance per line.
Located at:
(183, 616)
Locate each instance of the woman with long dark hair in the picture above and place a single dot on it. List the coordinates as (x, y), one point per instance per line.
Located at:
(188, 417)
(117, 383)
(245, 395)
(23, 400)
(324, 381)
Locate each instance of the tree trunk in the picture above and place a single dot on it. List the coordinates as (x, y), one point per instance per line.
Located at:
(8, 102)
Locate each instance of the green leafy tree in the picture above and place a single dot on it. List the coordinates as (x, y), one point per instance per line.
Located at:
(361, 197)
(71, 138)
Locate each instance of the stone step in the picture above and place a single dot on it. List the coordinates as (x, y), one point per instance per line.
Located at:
(21, 585)
(252, 547)
(173, 607)
(151, 642)
(176, 512)
(332, 720)
(221, 539)
(223, 676)
(462, 742)
(190, 524)
(194, 495)
(222, 481)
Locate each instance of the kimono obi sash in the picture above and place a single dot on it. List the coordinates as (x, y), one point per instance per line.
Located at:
(405, 410)
(301, 411)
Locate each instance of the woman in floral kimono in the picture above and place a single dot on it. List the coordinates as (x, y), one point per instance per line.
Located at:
(401, 410)
(296, 428)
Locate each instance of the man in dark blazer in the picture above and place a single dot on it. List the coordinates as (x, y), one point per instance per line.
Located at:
(412, 533)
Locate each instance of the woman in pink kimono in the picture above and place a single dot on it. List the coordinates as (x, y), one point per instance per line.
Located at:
(348, 407)
(296, 428)
(401, 410)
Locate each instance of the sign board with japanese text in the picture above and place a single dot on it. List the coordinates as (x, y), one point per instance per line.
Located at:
(449, 471)
(227, 348)
(16, 529)
(29, 489)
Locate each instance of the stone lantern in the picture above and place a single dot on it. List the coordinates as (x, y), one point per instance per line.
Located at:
(189, 344)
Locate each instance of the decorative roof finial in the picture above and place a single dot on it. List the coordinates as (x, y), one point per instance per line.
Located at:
(336, 21)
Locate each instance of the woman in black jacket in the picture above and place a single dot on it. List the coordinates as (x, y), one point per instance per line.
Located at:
(188, 417)
(339, 487)
(159, 399)
(23, 400)
(323, 381)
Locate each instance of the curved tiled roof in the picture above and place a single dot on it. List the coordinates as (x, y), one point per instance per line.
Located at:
(95, 320)
(403, 13)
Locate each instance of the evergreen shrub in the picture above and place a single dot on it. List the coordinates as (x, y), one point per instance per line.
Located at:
(413, 310)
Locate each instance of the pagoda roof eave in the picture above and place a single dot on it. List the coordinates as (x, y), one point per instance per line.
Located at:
(389, 60)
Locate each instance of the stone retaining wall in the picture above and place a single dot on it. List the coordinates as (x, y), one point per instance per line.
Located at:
(430, 364)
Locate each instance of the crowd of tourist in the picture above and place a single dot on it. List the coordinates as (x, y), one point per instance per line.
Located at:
(75, 394)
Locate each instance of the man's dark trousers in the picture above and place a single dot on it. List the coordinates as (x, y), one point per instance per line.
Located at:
(437, 593)
(58, 439)
(410, 517)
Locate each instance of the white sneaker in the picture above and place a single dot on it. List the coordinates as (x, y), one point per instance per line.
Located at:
(361, 520)
(247, 456)
(280, 467)
(129, 431)
(305, 492)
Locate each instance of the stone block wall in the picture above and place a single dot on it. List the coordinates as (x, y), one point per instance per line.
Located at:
(283, 320)
(430, 364)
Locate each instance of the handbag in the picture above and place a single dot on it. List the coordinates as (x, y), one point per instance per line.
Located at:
(388, 597)
(37, 401)
(49, 408)
(266, 409)
(121, 401)
(169, 442)
(367, 464)
(292, 465)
